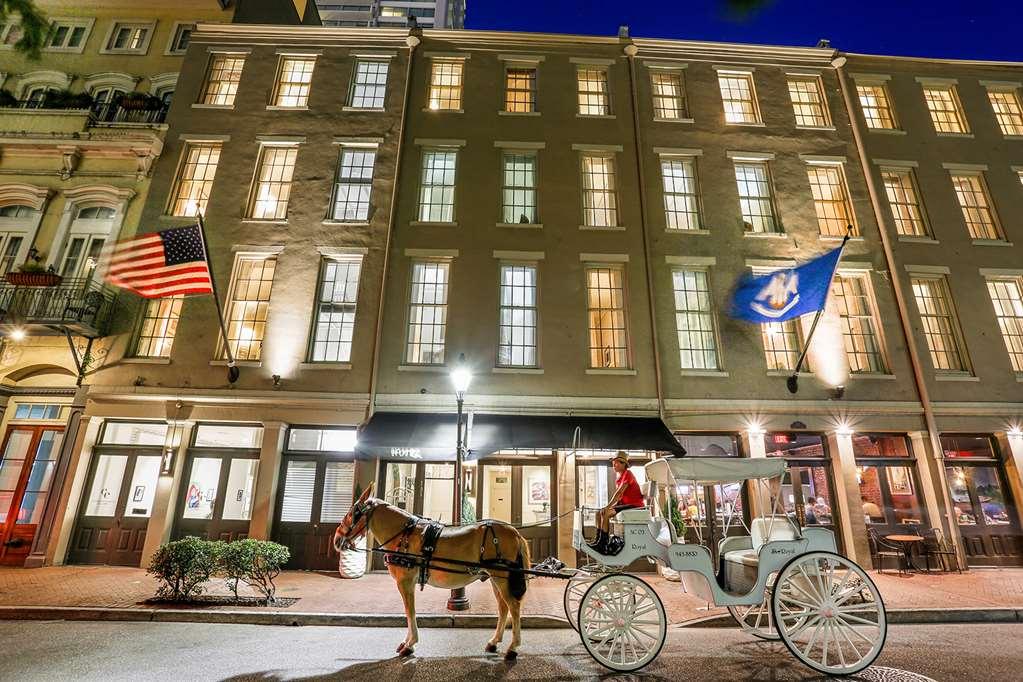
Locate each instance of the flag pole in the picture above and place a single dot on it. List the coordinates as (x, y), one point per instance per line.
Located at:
(232, 369)
(793, 381)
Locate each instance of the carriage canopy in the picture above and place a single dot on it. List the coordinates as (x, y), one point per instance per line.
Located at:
(712, 470)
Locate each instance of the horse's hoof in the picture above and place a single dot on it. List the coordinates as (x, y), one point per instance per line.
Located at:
(511, 655)
(400, 647)
(490, 648)
(406, 651)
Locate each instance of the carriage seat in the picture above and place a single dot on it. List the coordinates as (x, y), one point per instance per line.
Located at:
(762, 531)
(641, 515)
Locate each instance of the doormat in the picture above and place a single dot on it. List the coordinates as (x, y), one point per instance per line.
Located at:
(221, 600)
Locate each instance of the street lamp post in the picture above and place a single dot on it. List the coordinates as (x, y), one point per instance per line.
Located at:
(460, 379)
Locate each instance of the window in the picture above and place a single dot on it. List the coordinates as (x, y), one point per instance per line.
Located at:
(519, 191)
(600, 203)
(369, 85)
(446, 84)
(222, 79)
(755, 198)
(946, 111)
(180, 38)
(311, 439)
(694, 320)
(808, 105)
(591, 84)
(862, 346)
(40, 411)
(1008, 112)
(941, 329)
(158, 327)
(783, 342)
(10, 33)
(975, 204)
(9, 253)
(520, 89)
(903, 198)
(831, 199)
(335, 310)
(877, 112)
(130, 38)
(273, 182)
(738, 97)
(428, 313)
(681, 203)
(67, 35)
(227, 436)
(518, 316)
(669, 95)
(195, 178)
(1007, 297)
(295, 76)
(437, 188)
(605, 298)
(354, 184)
(248, 306)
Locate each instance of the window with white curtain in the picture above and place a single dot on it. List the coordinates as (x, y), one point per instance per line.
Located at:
(427, 314)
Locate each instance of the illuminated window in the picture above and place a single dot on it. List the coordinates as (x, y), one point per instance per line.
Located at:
(669, 95)
(520, 89)
(808, 105)
(1008, 112)
(446, 84)
(903, 198)
(1007, 297)
(946, 111)
(437, 186)
(976, 205)
(755, 199)
(222, 79)
(272, 188)
(369, 85)
(859, 328)
(129, 38)
(354, 183)
(293, 82)
(783, 341)
(681, 203)
(600, 203)
(518, 316)
(249, 306)
(738, 97)
(158, 327)
(195, 179)
(694, 320)
(605, 296)
(591, 85)
(877, 112)
(335, 310)
(519, 191)
(830, 199)
(941, 329)
(428, 313)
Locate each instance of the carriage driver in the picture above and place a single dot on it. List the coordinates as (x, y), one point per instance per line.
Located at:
(627, 496)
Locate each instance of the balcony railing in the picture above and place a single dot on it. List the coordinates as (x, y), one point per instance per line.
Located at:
(104, 112)
(82, 306)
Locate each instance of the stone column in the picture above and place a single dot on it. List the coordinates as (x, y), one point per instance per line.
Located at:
(161, 520)
(1011, 444)
(852, 528)
(564, 470)
(930, 481)
(261, 524)
(759, 499)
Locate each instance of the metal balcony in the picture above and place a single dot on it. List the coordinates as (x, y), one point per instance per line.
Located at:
(81, 307)
(113, 112)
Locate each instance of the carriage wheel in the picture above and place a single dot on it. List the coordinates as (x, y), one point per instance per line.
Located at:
(622, 622)
(829, 613)
(576, 588)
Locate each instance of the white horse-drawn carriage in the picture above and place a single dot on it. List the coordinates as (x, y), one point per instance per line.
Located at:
(779, 581)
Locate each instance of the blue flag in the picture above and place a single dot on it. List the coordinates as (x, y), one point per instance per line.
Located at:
(786, 294)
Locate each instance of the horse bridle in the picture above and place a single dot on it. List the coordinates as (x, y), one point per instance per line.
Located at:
(362, 511)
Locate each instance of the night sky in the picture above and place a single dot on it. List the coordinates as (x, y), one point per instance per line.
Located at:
(965, 29)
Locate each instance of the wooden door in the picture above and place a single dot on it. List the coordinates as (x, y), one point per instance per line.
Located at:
(112, 522)
(26, 474)
(216, 496)
(316, 494)
(986, 514)
(521, 494)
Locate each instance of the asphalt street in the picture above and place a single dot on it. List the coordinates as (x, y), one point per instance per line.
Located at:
(58, 650)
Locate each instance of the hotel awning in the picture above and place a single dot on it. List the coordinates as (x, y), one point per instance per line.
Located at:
(431, 437)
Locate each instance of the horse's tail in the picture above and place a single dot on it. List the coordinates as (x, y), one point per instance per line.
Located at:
(517, 579)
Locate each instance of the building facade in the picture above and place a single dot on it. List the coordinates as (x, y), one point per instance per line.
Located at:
(565, 217)
(393, 13)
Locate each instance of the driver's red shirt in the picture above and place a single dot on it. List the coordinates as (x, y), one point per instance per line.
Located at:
(632, 495)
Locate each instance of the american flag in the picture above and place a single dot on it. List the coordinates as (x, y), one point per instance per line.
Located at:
(160, 264)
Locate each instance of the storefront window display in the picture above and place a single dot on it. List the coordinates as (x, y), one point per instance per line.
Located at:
(885, 472)
(806, 491)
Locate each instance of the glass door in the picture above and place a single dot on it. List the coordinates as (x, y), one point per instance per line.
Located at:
(521, 494)
(807, 491)
(217, 496)
(26, 472)
(317, 493)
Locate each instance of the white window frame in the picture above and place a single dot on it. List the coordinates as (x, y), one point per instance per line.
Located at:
(353, 147)
(1013, 90)
(175, 194)
(525, 190)
(996, 225)
(710, 312)
(347, 308)
(163, 338)
(1015, 357)
(818, 84)
(696, 216)
(533, 92)
(277, 92)
(955, 331)
(765, 162)
(176, 30)
(142, 49)
(355, 84)
(915, 187)
(460, 101)
(684, 115)
(770, 329)
(422, 216)
(843, 185)
(620, 268)
(261, 156)
(880, 82)
(206, 94)
(608, 111)
(410, 305)
(957, 107)
(535, 308)
(758, 119)
(72, 22)
(611, 207)
(222, 344)
(875, 322)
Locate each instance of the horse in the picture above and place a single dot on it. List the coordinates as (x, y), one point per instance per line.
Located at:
(488, 544)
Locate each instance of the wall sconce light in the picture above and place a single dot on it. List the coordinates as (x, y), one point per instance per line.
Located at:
(837, 392)
(1015, 431)
(276, 379)
(175, 430)
(844, 429)
(18, 334)
(755, 429)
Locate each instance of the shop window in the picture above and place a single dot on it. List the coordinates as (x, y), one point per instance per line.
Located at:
(241, 484)
(228, 436)
(805, 493)
(134, 433)
(37, 411)
(400, 485)
(139, 503)
(299, 487)
(974, 447)
(201, 492)
(438, 496)
(106, 483)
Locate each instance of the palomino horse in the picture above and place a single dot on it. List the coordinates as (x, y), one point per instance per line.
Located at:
(491, 545)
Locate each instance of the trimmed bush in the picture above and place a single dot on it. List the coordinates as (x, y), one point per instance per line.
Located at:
(184, 566)
(254, 562)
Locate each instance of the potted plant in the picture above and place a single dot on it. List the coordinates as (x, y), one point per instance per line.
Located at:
(139, 101)
(32, 273)
(65, 99)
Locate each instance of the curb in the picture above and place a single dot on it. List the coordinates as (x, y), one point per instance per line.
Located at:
(915, 616)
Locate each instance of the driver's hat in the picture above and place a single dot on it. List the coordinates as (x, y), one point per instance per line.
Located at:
(623, 456)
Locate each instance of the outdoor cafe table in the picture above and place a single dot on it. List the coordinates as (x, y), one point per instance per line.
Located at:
(907, 542)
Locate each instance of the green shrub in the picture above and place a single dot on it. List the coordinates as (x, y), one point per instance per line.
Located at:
(184, 566)
(255, 563)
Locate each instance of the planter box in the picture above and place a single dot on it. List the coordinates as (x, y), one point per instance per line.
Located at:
(33, 279)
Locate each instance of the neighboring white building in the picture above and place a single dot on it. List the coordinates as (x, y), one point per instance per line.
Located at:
(393, 13)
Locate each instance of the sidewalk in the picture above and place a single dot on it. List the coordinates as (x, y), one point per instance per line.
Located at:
(375, 594)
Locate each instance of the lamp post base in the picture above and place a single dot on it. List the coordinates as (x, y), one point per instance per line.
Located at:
(458, 601)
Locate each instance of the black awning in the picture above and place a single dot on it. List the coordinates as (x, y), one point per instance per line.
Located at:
(431, 437)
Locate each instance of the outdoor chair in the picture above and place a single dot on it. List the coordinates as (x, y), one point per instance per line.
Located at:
(881, 549)
(935, 545)
(85, 308)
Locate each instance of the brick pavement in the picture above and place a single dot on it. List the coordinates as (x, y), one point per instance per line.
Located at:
(109, 586)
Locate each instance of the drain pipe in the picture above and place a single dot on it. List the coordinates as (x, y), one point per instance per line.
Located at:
(900, 301)
(631, 51)
(413, 39)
